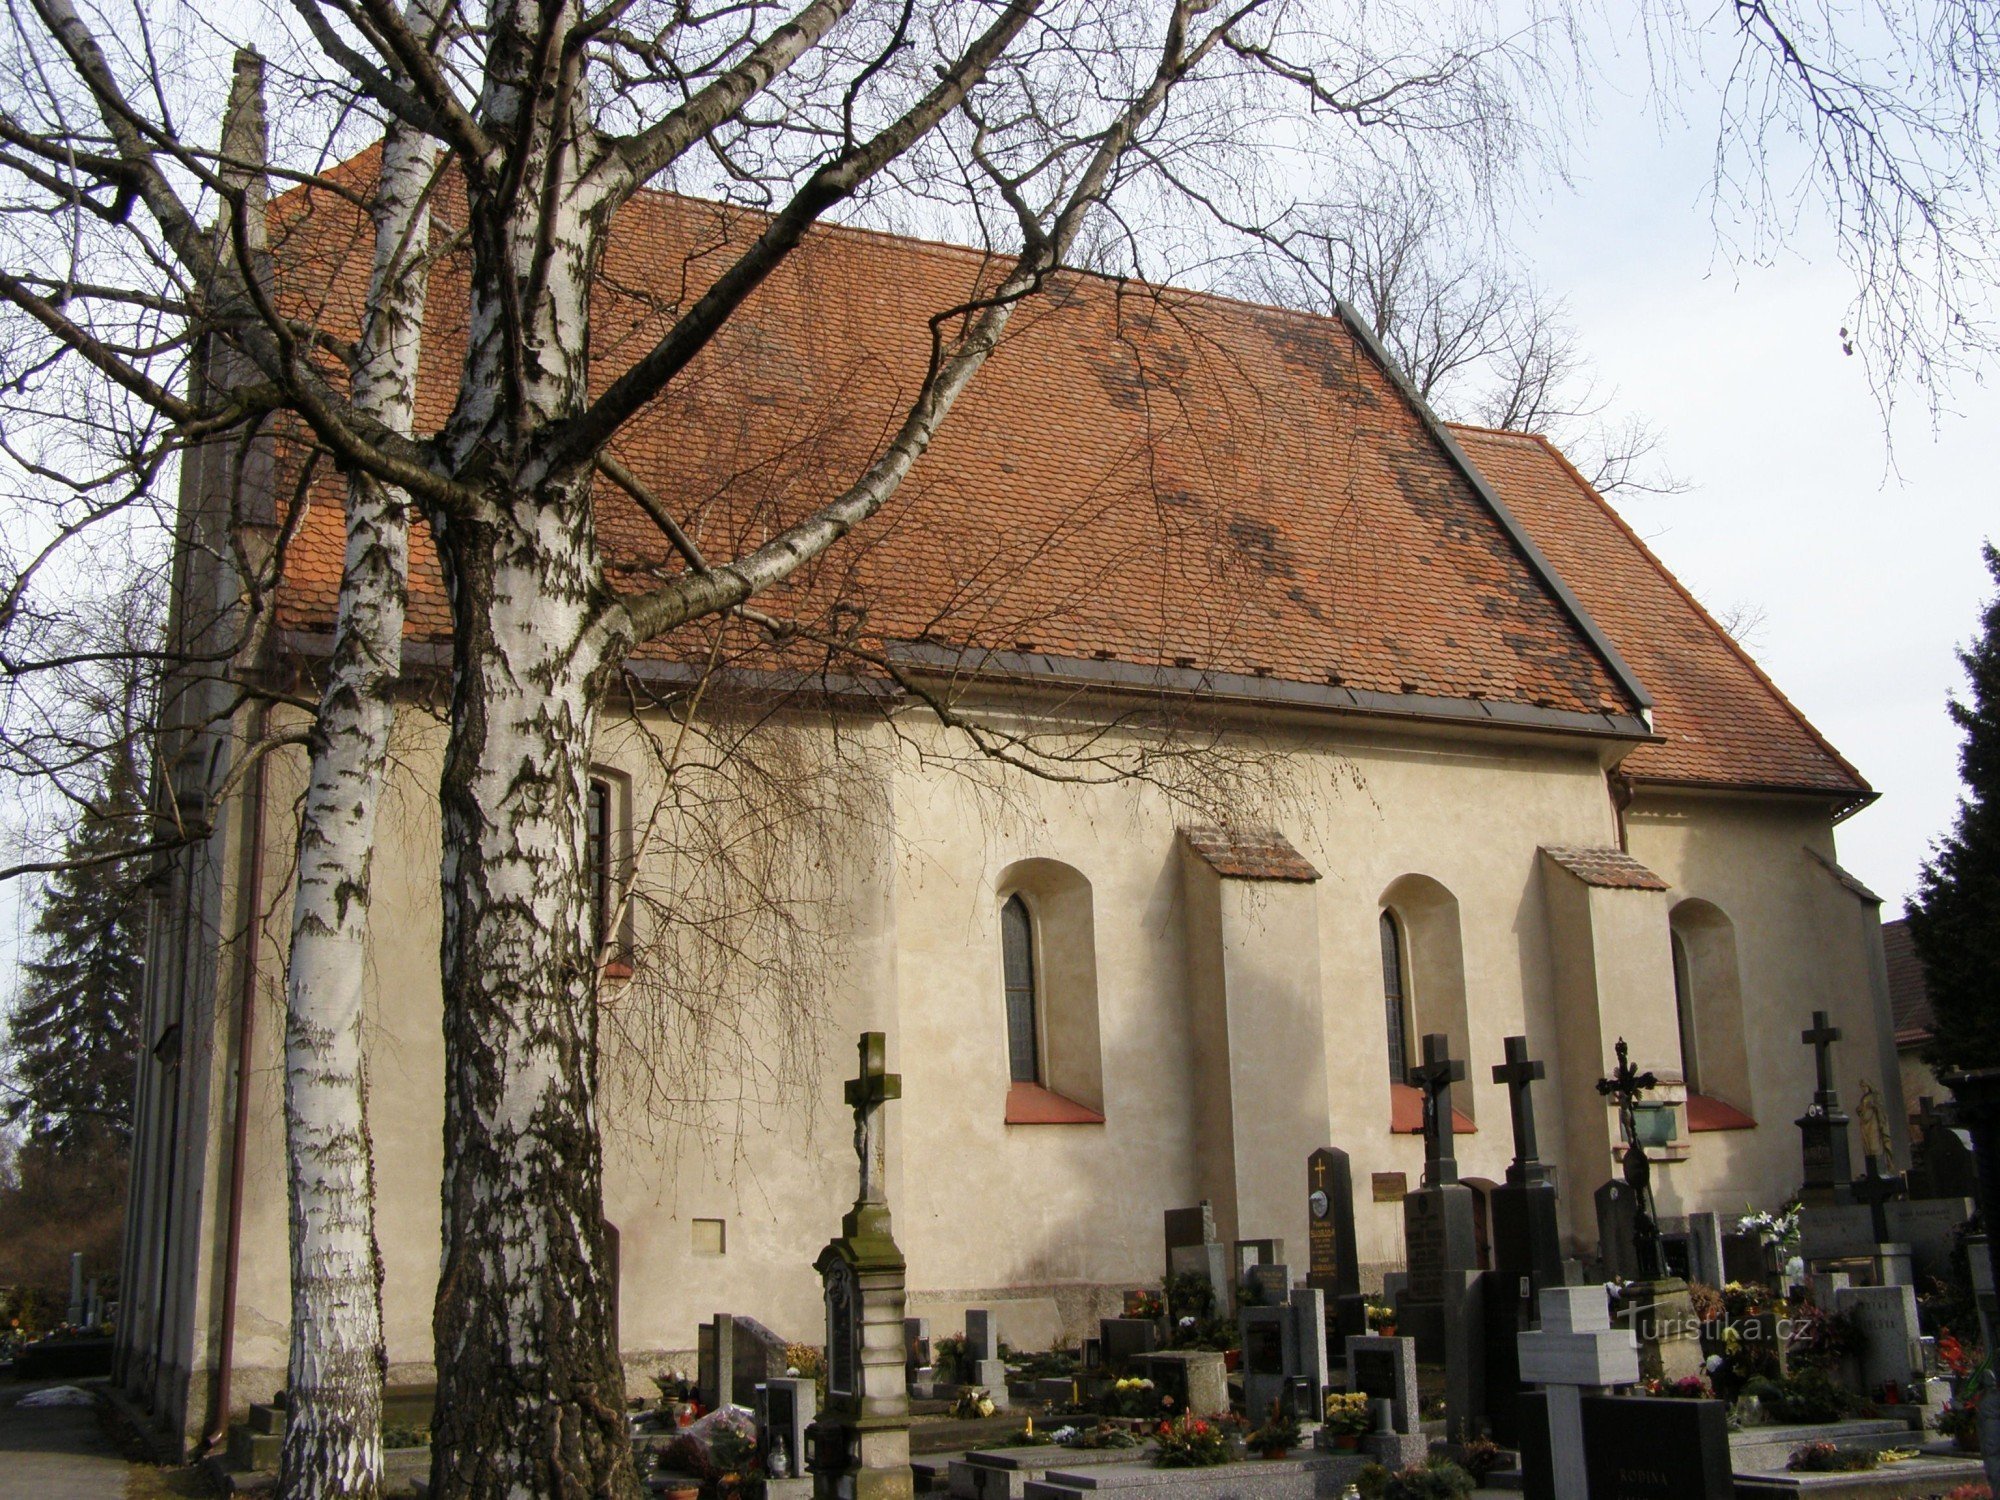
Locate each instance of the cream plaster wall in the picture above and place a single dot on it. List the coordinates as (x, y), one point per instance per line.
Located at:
(1060, 1211)
(1804, 941)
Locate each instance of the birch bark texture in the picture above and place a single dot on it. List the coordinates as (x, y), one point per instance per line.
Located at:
(333, 1426)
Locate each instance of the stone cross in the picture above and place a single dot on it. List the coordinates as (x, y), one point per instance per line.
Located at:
(1821, 1037)
(1435, 1075)
(1929, 1117)
(1875, 1190)
(1517, 1073)
(866, 1093)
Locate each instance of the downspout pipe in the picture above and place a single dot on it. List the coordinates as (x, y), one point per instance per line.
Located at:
(246, 1016)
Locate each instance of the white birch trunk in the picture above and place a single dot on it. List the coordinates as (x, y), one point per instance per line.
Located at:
(531, 1394)
(333, 1434)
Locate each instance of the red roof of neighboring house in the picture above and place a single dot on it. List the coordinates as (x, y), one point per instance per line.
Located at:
(1200, 494)
(1910, 1010)
(1722, 720)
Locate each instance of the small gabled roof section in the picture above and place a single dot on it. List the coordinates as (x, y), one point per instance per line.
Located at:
(1249, 854)
(1608, 869)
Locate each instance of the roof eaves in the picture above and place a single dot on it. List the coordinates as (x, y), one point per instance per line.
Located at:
(1490, 498)
(1040, 669)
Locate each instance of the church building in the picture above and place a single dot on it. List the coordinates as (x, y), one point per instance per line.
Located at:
(1308, 725)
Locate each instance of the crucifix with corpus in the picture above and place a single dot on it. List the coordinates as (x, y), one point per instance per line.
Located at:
(1434, 1076)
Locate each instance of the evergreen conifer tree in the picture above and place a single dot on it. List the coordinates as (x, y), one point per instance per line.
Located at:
(75, 1019)
(1955, 914)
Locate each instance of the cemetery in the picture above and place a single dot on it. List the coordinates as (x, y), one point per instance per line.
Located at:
(1785, 1355)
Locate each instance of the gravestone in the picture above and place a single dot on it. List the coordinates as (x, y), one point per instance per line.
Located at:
(1333, 1266)
(982, 1354)
(1893, 1352)
(1266, 1285)
(1930, 1227)
(1942, 1164)
(1704, 1231)
(1617, 1228)
(1193, 1249)
(860, 1443)
(1527, 1243)
(1283, 1345)
(1196, 1379)
(1439, 1241)
(1385, 1370)
(1120, 1340)
(1664, 1325)
(715, 1362)
(733, 1353)
(76, 1309)
(1635, 1448)
(1823, 1140)
(1575, 1351)
(785, 1407)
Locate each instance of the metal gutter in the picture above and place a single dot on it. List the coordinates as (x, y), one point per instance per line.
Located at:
(1489, 497)
(1034, 668)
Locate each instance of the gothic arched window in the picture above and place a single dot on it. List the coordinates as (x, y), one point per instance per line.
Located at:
(1017, 953)
(1395, 998)
(1684, 1007)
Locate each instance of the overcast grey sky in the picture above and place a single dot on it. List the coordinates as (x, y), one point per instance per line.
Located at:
(1869, 575)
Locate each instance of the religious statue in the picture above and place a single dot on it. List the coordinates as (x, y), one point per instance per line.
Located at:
(1876, 1140)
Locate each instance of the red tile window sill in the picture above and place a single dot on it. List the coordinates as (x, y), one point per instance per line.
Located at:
(617, 968)
(1406, 1113)
(1031, 1104)
(1705, 1113)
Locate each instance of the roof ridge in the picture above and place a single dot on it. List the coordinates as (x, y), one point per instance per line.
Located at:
(1729, 641)
(1537, 561)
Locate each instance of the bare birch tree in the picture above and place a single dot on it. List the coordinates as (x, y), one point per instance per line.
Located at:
(1050, 131)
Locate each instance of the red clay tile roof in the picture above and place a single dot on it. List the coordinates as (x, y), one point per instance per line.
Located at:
(1613, 869)
(1723, 721)
(1139, 475)
(1909, 998)
(1141, 478)
(1249, 854)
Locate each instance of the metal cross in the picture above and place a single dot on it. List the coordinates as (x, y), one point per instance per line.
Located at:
(1435, 1076)
(1821, 1037)
(1517, 1073)
(1875, 1190)
(866, 1093)
(1625, 1084)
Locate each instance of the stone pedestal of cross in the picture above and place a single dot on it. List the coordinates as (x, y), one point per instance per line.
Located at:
(859, 1446)
(1824, 1147)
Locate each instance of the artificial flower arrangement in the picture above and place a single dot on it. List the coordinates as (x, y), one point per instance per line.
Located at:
(1191, 1442)
(1959, 1421)
(1381, 1319)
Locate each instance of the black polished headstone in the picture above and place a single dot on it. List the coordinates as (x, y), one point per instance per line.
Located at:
(1635, 1448)
(1439, 1242)
(1331, 1263)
